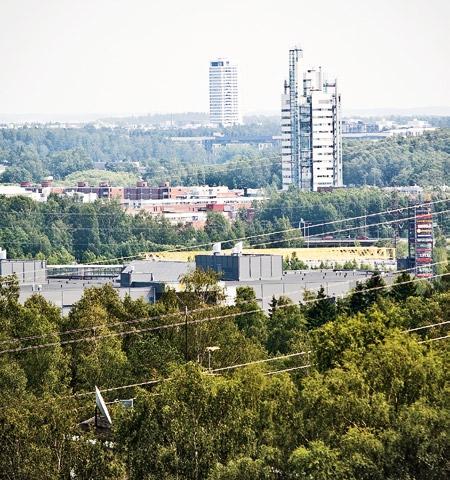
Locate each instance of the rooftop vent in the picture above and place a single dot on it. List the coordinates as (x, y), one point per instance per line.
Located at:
(237, 249)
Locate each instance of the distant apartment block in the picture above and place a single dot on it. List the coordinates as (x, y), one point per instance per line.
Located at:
(214, 143)
(223, 93)
(379, 129)
(188, 205)
(177, 204)
(311, 145)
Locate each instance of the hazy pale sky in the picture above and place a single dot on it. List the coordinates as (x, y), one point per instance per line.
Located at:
(133, 56)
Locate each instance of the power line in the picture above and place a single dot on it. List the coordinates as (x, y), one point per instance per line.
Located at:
(427, 326)
(229, 367)
(216, 168)
(265, 204)
(118, 334)
(94, 327)
(159, 317)
(386, 212)
(424, 341)
(289, 369)
(184, 323)
(261, 235)
(122, 387)
(232, 367)
(191, 247)
(255, 362)
(345, 229)
(434, 339)
(178, 249)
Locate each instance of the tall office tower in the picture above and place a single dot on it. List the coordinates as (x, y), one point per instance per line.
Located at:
(223, 93)
(311, 151)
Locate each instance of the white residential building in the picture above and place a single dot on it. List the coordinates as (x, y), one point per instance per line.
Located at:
(223, 93)
(311, 145)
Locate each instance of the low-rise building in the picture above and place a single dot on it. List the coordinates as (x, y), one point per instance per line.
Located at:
(148, 279)
(262, 272)
(28, 272)
(178, 204)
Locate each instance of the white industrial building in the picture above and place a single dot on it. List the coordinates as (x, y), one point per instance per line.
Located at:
(311, 129)
(223, 93)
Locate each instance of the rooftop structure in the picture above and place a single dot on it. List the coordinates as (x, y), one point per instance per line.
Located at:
(238, 267)
(145, 272)
(263, 271)
(28, 272)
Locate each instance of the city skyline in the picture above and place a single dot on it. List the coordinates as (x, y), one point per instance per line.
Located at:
(126, 57)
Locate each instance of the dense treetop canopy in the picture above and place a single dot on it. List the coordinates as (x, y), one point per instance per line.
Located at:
(363, 400)
(63, 230)
(32, 153)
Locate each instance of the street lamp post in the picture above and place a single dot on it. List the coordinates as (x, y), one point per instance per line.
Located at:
(304, 228)
(210, 350)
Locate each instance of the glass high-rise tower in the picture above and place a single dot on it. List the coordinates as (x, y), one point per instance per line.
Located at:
(223, 93)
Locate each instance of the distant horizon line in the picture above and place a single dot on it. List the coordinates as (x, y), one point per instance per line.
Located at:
(80, 117)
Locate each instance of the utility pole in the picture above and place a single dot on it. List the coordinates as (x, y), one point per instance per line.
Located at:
(62, 300)
(365, 223)
(186, 333)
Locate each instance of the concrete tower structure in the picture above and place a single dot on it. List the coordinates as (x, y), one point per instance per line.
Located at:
(311, 147)
(223, 93)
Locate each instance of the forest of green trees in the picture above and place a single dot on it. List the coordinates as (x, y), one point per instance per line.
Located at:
(360, 393)
(32, 153)
(63, 230)
(354, 388)
(423, 160)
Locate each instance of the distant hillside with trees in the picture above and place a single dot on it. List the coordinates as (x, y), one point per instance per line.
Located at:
(423, 160)
(32, 153)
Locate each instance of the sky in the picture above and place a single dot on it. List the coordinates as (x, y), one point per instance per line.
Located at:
(139, 56)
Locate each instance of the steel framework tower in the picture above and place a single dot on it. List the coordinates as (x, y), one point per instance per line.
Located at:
(310, 128)
(420, 242)
(294, 55)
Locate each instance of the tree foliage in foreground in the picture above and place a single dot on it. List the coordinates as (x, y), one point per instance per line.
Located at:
(370, 401)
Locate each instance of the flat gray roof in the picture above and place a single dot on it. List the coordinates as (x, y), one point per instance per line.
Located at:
(161, 271)
(64, 293)
(302, 277)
